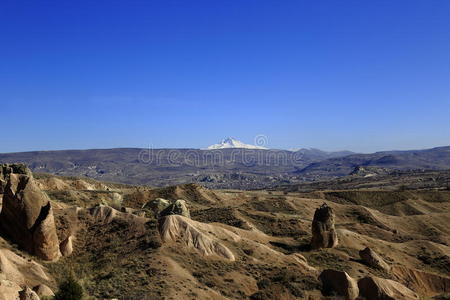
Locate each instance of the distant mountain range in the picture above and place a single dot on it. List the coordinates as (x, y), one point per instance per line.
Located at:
(239, 168)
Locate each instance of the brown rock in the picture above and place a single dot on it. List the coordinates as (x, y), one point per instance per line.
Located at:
(6, 169)
(46, 243)
(193, 234)
(340, 283)
(323, 232)
(28, 294)
(372, 259)
(375, 288)
(2, 184)
(179, 207)
(9, 290)
(43, 291)
(20, 270)
(103, 213)
(157, 206)
(66, 246)
(27, 216)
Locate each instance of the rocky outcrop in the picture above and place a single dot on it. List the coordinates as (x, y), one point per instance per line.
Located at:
(178, 228)
(375, 288)
(105, 215)
(157, 206)
(102, 213)
(45, 240)
(179, 207)
(19, 270)
(2, 185)
(27, 215)
(9, 290)
(339, 283)
(7, 169)
(323, 232)
(28, 294)
(66, 246)
(43, 291)
(372, 259)
(17, 274)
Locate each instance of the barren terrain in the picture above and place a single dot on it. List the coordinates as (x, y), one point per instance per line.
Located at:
(240, 244)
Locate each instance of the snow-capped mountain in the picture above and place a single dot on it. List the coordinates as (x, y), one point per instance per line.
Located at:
(233, 143)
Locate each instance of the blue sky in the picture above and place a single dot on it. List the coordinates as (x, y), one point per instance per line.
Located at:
(357, 75)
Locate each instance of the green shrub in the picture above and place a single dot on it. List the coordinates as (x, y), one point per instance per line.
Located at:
(69, 290)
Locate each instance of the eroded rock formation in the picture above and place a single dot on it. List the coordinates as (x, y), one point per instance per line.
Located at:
(371, 258)
(66, 246)
(340, 283)
(9, 290)
(28, 294)
(375, 288)
(43, 291)
(157, 206)
(179, 207)
(27, 215)
(323, 232)
(179, 228)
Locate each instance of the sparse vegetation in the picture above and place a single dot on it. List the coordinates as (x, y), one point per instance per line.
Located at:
(69, 289)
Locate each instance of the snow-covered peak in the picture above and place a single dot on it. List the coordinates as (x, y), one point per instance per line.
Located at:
(233, 143)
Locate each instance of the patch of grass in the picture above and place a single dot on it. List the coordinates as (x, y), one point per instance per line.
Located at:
(439, 263)
(325, 259)
(284, 279)
(115, 260)
(277, 226)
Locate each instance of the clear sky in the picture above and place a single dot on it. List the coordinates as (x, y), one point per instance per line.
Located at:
(357, 75)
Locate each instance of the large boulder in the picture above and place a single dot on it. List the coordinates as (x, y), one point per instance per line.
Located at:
(339, 283)
(27, 215)
(371, 258)
(66, 246)
(375, 288)
(323, 232)
(179, 207)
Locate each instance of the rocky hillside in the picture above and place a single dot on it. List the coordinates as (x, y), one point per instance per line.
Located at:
(371, 178)
(189, 242)
(429, 159)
